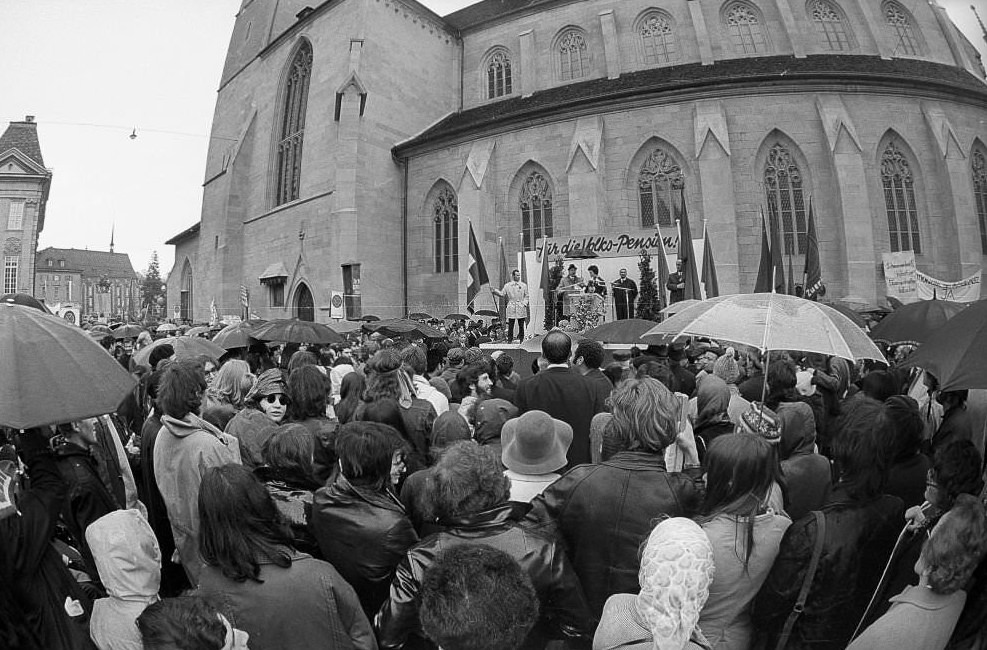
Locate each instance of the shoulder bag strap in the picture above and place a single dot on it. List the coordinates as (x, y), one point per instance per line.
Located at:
(806, 583)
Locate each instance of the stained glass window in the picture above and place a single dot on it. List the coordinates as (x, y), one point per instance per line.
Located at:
(906, 40)
(292, 127)
(786, 202)
(499, 81)
(979, 167)
(659, 182)
(535, 201)
(899, 200)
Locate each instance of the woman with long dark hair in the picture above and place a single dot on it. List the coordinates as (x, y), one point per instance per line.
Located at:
(283, 598)
(744, 532)
(308, 396)
(350, 391)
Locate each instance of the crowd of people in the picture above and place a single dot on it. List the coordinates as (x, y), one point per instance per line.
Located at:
(422, 494)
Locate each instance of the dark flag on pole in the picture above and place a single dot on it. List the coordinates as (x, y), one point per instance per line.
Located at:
(777, 255)
(687, 255)
(477, 272)
(763, 283)
(710, 282)
(813, 270)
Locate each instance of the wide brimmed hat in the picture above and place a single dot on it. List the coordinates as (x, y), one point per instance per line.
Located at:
(535, 443)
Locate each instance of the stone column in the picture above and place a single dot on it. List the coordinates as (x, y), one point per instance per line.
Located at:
(716, 181)
(611, 48)
(792, 27)
(874, 23)
(526, 45)
(702, 33)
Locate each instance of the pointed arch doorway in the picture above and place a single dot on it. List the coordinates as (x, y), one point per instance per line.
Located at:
(304, 304)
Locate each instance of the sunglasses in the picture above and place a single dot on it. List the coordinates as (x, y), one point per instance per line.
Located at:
(280, 399)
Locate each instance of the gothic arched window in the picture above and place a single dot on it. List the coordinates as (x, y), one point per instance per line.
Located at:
(657, 39)
(746, 29)
(899, 199)
(535, 202)
(979, 167)
(573, 57)
(445, 219)
(186, 292)
(659, 183)
(786, 202)
(499, 78)
(906, 38)
(292, 126)
(831, 26)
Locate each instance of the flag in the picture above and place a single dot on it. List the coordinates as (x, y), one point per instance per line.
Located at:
(710, 282)
(687, 255)
(763, 283)
(790, 287)
(476, 270)
(661, 273)
(544, 282)
(777, 255)
(813, 271)
(502, 301)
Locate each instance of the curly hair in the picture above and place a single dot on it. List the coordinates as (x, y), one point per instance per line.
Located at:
(476, 597)
(956, 546)
(645, 414)
(467, 479)
(956, 471)
(382, 377)
(185, 623)
(181, 389)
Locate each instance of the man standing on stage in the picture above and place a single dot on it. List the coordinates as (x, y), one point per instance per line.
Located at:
(624, 295)
(517, 305)
(676, 284)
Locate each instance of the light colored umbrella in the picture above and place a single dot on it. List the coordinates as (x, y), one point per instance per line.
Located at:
(534, 344)
(167, 327)
(52, 371)
(676, 307)
(346, 326)
(186, 347)
(197, 330)
(772, 321)
(128, 331)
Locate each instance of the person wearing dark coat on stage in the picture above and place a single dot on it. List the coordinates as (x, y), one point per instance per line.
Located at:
(624, 295)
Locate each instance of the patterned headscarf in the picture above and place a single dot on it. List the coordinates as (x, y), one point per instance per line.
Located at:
(269, 382)
(676, 572)
(759, 420)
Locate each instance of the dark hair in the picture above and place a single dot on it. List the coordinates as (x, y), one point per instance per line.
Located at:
(505, 365)
(159, 353)
(591, 352)
(475, 597)
(383, 411)
(350, 391)
(556, 347)
(365, 451)
(466, 479)
(879, 385)
(218, 415)
(436, 355)
(414, 356)
(342, 360)
(181, 388)
(781, 382)
(239, 525)
(862, 448)
(470, 375)
(740, 470)
(908, 426)
(290, 450)
(956, 470)
(382, 376)
(182, 623)
(594, 268)
(301, 359)
(659, 371)
(306, 390)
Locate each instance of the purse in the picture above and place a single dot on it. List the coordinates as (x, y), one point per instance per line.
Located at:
(786, 631)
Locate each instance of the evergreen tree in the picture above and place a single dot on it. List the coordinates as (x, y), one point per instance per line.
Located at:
(151, 285)
(648, 299)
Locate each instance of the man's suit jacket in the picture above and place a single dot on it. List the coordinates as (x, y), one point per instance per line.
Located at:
(565, 396)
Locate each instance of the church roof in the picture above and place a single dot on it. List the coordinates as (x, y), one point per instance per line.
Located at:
(92, 264)
(764, 72)
(188, 233)
(23, 136)
(481, 12)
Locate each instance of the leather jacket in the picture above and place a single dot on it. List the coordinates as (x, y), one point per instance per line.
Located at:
(604, 512)
(563, 608)
(860, 536)
(364, 533)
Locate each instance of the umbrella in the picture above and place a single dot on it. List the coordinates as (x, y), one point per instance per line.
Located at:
(486, 312)
(627, 331)
(166, 327)
(403, 326)
(369, 318)
(419, 315)
(102, 329)
(534, 344)
(455, 316)
(956, 353)
(52, 371)
(913, 323)
(186, 347)
(676, 307)
(26, 300)
(196, 331)
(345, 326)
(857, 319)
(772, 321)
(293, 330)
(237, 335)
(128, 331)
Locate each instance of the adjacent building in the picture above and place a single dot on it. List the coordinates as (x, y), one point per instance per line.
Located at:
(354, 143)
(103, 284)
(24, 187)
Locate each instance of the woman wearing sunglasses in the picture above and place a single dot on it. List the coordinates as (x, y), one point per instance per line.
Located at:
(266, 405)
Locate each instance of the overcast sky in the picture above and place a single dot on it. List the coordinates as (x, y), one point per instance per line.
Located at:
(92, 71)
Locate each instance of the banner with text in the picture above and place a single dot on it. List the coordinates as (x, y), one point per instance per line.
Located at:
(626, 243)
(966, 290)
(908, 284)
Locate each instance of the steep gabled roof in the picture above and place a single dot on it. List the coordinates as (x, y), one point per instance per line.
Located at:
(481, 12)
(188, 233)
(23, 136)
(91, 263)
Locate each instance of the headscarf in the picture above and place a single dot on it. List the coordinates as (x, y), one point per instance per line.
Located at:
(798, 429)
(712, 400)
(759, 420)
(727, 368)
(676, 572)
(269, 382)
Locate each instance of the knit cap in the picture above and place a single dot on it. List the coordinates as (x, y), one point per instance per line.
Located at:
(761, 421)
(726, 367)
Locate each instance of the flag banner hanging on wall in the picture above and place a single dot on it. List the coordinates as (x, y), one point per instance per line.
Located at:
(812, 276)
(477, 272)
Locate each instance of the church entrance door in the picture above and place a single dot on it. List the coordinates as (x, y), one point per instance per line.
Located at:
(304, 304)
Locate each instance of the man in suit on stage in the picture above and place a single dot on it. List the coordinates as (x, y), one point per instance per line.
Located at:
(563, 394)
(624, 295)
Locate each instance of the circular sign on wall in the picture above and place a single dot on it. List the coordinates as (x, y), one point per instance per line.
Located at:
(69, 316)
(337, 300)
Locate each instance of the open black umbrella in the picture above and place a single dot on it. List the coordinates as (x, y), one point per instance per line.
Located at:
(628, 331)
(237, 335)
(403, 327)
(369, 318)
(186, 347)
(956, 353)
(52, 371)
(25, 300)
(293, 330)
(912, 323)
(128, 331)
(419, 315)
(456, 316)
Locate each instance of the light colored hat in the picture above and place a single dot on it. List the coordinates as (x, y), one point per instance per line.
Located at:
(535, 443)
(726, 367)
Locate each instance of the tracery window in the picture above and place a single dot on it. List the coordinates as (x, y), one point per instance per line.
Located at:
(535, 202)
(979, 167)
(906, 40)
(786, 201)
(573, 57)
(831, 26)
(185, 297)
(746, 30)
(657, 39)
(499, 78)
(292, 127)
(659, 183)
(445, 218)
(899, 200)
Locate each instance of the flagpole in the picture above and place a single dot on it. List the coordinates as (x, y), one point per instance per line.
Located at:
(805, 274)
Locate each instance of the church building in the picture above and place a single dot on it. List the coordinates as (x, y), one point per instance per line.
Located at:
(356, 142)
